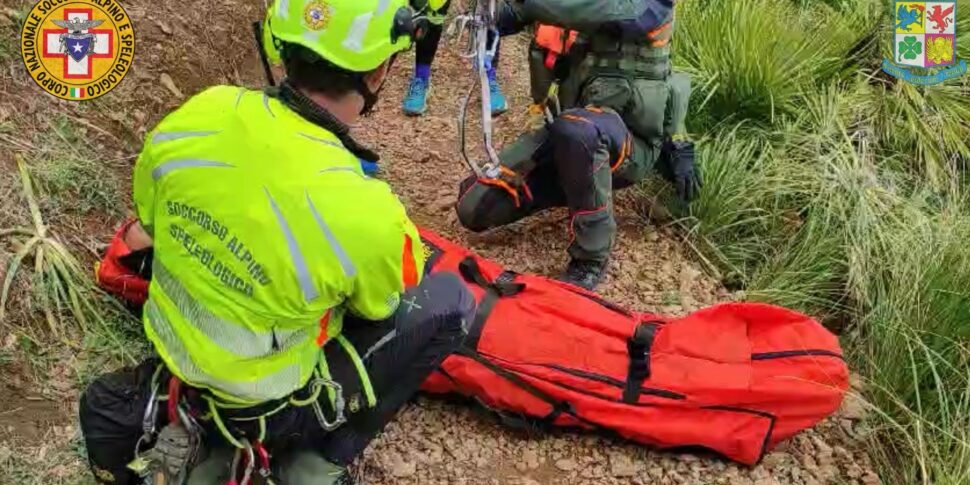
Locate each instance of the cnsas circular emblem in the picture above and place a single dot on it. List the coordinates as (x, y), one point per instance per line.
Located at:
(77, 49)
(317, 15)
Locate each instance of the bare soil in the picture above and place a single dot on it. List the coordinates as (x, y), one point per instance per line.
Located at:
(182, 50)
(25, 417)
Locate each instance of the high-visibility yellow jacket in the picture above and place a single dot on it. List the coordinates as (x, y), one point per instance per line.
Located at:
(266, 232)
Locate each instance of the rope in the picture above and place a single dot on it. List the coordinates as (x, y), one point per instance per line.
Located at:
(216, 418)
(361, 371)
(306, 402)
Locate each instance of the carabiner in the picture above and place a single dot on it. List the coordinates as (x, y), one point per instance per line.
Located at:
(338, 405)
(150, 417)
(148, 420)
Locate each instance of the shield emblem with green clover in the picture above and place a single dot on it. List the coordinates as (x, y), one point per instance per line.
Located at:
(925, 34)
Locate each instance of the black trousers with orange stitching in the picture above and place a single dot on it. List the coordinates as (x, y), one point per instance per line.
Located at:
(575, 162)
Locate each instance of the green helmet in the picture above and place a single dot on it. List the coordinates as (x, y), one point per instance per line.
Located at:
(356, 35)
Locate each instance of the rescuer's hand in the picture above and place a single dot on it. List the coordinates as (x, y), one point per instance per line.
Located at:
(678, 165)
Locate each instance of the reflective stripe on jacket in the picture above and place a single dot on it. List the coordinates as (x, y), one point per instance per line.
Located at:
(266, 232)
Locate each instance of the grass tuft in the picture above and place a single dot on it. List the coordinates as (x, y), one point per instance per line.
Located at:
(64, 291)
(72, 179)
(752, 60)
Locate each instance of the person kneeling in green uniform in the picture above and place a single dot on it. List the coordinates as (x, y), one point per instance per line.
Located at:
(623, 117)
(287, 308)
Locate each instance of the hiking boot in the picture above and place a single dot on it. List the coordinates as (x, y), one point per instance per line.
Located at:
(499, 104)
(585, 274)
(416, 101)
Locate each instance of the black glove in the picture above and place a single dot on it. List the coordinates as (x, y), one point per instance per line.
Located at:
(508, 20)
(678, 166)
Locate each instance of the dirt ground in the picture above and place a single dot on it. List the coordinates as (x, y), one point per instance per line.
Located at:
(180, 52)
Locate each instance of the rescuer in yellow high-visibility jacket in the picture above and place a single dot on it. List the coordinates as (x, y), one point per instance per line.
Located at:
(261, 246)
(278, 266)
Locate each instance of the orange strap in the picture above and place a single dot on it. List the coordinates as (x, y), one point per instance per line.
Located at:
(572, 117)
(525, 187)
(409, 268)
(555, 40)
(507, 187)
(659, 30)
(625, 151)
(660, 36)
(504, 186)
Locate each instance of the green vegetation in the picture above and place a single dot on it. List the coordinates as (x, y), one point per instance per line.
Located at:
(8, 50)
(74, 176)
(59, 288)
(837, 190)
(9, 44)
(66, 332)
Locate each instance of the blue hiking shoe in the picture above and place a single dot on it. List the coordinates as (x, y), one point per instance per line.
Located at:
(499, 104)
(416, 101)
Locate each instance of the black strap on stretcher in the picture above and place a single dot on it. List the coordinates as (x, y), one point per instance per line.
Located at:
(638, 347)
(501, 287)
(517, 421)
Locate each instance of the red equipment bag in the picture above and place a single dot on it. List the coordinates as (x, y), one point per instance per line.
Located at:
(736, 378)
(124, 272)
